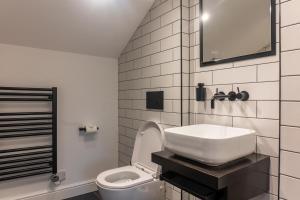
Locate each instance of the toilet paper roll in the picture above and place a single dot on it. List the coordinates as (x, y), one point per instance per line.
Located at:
(91, 129)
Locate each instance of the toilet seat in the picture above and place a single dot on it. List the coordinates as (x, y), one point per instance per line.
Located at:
(149, 139)
(123, 177)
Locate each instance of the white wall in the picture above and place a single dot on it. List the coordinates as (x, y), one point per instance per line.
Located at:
(87, 92)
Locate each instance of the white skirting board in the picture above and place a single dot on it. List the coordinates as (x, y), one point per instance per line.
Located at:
(63, 193)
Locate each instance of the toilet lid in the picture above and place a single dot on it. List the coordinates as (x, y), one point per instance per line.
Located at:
(149, 139)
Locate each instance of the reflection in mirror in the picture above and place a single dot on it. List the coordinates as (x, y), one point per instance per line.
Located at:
(234, 30)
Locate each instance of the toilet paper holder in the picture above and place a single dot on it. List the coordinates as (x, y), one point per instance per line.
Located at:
(89, 129)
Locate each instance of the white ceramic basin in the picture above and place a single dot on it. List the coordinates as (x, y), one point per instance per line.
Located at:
(210, 144)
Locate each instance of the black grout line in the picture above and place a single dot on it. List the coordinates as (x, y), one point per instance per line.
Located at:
(291, 75)
(156, 18)
(121, 72)
(237, 83)
(298, 178)
(280, 100)
(181, 77)
(290, 101)
(235, 67)
(189, 71)
(296, 152)
(148, 111)
(151, 65)
(181, 66)
(290, 50)
(284, 1)
(290, 25)
(150, 88)
(141, 78)
(150, 43)
(133, 60)
(149, 33)
(165, 12)
(289, 126)
(234, 116)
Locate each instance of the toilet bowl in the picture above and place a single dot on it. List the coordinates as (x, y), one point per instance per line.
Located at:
(140, 180)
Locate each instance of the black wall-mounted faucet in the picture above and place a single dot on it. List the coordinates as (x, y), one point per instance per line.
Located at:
(232, 96)
(221, 96)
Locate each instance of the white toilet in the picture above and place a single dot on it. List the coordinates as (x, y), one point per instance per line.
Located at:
(140, 180)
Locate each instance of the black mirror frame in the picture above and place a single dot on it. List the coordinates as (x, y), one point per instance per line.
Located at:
(245, 57)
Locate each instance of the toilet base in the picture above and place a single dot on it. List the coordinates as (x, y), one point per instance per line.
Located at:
(153, 190)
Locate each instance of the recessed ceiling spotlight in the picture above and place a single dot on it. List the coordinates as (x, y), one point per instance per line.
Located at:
(99, 2)
(205, 17)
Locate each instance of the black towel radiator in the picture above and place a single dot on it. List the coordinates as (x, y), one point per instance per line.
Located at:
(29, 160)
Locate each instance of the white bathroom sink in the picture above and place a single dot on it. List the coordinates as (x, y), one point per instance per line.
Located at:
(210, 144)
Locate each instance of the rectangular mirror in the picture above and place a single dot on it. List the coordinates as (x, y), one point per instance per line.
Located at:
(234, 30)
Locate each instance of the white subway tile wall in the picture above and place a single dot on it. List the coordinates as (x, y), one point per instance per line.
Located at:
(290, 105)
(152, 61)
(260, 77)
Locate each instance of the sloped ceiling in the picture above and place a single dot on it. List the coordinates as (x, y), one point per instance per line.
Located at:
(94, 27)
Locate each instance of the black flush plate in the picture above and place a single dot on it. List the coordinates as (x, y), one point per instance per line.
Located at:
(155, 100)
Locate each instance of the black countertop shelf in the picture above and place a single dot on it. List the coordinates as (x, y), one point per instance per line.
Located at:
(238, 180)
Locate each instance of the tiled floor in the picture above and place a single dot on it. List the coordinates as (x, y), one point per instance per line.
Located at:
(88, 196)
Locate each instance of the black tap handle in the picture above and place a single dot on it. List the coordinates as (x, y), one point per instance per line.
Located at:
(222, 94)
(243, 95)
(232, 96)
